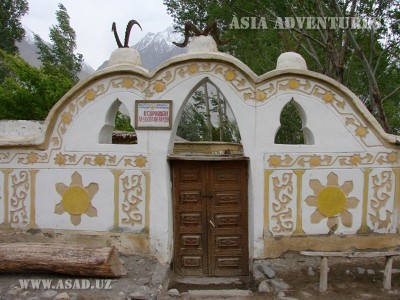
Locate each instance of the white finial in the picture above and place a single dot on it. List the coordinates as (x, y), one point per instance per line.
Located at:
(291, 60)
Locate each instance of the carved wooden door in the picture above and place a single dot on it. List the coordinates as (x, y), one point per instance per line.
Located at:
(210, 218)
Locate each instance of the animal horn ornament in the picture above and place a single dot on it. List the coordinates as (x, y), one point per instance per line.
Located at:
(127, 33)
(211, 29)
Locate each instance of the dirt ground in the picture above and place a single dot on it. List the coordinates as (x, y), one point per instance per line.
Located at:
(357, 278)
(347, 279)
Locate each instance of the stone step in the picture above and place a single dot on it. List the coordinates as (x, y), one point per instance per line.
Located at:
(185, 283)
(218, 294)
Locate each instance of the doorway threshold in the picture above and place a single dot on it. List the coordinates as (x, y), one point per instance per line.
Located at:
(193, 156)
(186, 283)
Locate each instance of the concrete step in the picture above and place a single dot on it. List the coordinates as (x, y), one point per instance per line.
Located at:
(218, 294)
(185, 283)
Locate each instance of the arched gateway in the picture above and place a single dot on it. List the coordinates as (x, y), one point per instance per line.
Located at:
(210, 214)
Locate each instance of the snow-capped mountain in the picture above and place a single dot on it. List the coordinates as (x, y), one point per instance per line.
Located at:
(155, 48)
(28, 51)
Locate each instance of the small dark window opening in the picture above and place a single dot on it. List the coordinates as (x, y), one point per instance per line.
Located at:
(291, 130)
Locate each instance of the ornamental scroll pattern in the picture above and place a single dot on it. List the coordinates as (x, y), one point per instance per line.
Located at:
(88, 96)
(343, 160)
(282, 217)
(19, 199)
(133, 192)
(381, 201)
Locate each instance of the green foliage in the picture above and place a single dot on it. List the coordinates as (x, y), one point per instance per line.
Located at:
(26, 92)
(291, 130)
(329, 51)
(60, 57)
(193, 123)
(123, 123)
(11, 30)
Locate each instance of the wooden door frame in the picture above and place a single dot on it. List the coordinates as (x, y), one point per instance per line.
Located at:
(210, 159)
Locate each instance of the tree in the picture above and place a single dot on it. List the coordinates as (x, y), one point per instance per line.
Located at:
(27, 93)
(59, 58)
(367, 60)
(11, 30)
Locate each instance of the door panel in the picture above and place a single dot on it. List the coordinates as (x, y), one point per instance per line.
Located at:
(210, 218)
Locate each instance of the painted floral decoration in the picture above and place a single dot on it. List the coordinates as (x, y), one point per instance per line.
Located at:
(76, 199)
(332, 202)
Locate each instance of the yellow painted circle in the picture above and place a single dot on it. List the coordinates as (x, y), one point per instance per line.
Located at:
(90, 95)
(293, 84)
(127, 83)
(331, 201)
(315, 161)
(328, 97)
(275, 161)
(159, 86)
(67, 118)
(140, 161)
(230, 75)
(75, 200)
(361, 131)
(260, 96)
(193, 68)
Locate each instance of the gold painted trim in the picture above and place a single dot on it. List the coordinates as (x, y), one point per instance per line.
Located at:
(267, 174)
(117, 175)
(364, 226)
(6, 194)
(397, 196)
(33, 198)
(146, 228)
(299, 220)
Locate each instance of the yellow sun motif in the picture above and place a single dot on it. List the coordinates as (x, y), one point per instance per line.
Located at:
(332, 201)
(76, 199)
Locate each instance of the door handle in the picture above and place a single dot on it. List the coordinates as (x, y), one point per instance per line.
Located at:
(212, 223)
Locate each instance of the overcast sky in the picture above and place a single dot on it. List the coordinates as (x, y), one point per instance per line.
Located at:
(92, 19)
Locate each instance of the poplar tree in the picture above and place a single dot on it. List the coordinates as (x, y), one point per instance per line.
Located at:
(11, 30)
(59, 58)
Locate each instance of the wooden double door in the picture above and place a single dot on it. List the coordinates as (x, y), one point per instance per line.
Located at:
(210, 217)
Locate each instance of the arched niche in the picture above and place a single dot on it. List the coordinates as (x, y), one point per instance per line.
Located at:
(207, 118)
(293, 128)
(109, 135)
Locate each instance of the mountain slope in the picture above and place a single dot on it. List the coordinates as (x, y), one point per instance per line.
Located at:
(155, 48)
(28, 51)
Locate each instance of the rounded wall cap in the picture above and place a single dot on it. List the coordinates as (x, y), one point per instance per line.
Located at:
(202, 44)
(125, 56)
(291, 60)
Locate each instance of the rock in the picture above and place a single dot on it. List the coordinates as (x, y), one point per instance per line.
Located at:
(49, 294)
(137, 296)
(281, 295)
(174, 293)
(348, 272)
(265, 287)
(14, 291)
(279, 285)
(306, 295)
(360, 271)
(310, 272)
(370, 272)
(33, 298)
(367, 296)
(258, 275)
(63, 296)
(121, 294)
(25, 294)
(267, 270)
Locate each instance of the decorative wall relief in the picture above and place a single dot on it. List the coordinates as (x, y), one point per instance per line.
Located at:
(282, 203)
(19, 198)
(381, 216)
(132, 200)
(76, 199)
(336, 205)
(2, 198)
